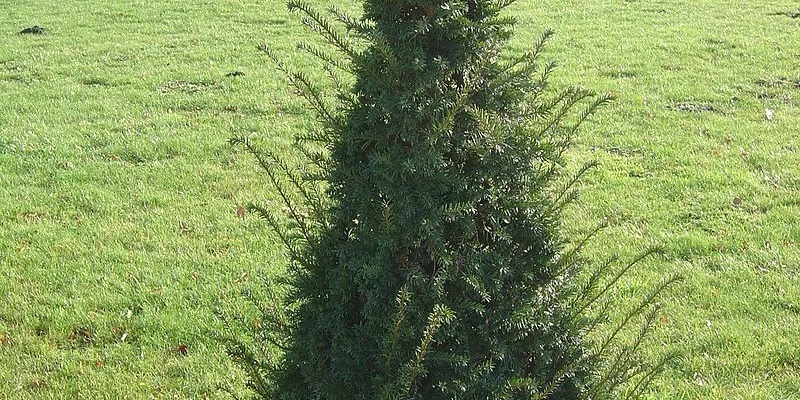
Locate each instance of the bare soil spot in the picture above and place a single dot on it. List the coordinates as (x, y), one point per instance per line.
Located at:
(83, 335)
(718, 43)
(782, 82)
(694, 107)
(186, 87)
(33, 30)
(97, 82)
(790, 14)
(621, 74)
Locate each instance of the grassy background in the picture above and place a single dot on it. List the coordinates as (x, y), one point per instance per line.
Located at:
(119, 234)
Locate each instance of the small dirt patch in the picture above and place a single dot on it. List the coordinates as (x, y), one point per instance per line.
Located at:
(782, 97)
(96, 82)
(718, 43)
(694, 107)
(9, 65)
(620, 74)
(83, 335)
(186, 87)
(779, 82)
(33, 30)
(790, 14)
(623, 152)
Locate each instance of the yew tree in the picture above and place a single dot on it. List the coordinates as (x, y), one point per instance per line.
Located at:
(422, 221)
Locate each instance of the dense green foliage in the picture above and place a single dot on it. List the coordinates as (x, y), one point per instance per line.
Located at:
(119, 232)
(426, 259)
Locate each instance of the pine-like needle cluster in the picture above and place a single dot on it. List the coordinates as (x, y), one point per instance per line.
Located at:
(423, 222)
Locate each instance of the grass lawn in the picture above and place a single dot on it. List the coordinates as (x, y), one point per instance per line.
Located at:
(119, 233)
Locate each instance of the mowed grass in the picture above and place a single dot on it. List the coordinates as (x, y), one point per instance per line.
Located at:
(119, 233)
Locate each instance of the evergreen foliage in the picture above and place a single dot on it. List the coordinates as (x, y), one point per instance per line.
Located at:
(422, 220)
